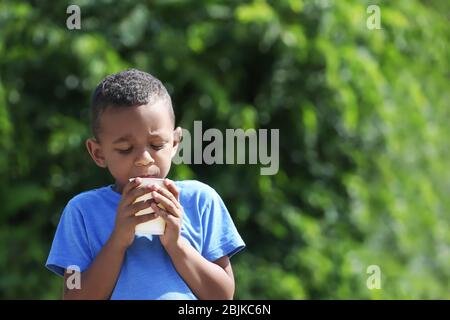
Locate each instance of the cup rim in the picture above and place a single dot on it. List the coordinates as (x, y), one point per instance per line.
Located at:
(146, 178)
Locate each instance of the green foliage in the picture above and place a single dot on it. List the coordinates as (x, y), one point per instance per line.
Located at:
(363, 117)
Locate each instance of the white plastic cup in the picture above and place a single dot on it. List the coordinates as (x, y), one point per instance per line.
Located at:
(155, 226)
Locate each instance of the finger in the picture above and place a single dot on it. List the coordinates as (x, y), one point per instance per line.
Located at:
(172, 188)
(131, 197)
(170, 196)
(164, 214)
(166, 203)
(144, 218)
(138, 206)
(131, 185)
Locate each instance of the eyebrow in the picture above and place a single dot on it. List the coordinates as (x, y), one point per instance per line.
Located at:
(128, 137)
(123, 139)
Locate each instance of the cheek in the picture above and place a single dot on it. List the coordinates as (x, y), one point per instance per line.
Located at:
(164, 157)
(119, 164)
(163, 153)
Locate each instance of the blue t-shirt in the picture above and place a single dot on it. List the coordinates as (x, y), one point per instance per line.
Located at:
(147, 271)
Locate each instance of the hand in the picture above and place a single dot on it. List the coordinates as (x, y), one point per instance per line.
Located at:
(172, 212)
(126, 221)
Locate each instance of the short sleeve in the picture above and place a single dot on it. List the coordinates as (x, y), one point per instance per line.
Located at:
(70, 245)
(220, 236)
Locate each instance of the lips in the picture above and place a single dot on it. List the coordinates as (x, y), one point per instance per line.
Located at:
(147, 176)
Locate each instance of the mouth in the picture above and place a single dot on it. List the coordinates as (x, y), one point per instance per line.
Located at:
(147, 176)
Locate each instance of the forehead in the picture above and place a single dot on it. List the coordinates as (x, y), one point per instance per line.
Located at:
(136, 122)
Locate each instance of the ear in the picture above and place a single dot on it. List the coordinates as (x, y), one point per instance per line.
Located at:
(96, 152)
(177, 138)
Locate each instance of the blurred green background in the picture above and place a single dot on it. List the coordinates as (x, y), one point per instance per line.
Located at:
(363, 115)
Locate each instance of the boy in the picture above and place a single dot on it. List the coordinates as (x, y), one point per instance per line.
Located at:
(133, 124)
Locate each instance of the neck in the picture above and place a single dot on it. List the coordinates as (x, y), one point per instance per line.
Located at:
(116, 188)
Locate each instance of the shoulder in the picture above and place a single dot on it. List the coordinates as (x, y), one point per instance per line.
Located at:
(194, 189)
(87, 198)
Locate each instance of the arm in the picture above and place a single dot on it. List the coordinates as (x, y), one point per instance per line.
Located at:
(99, 280)
(207, 280)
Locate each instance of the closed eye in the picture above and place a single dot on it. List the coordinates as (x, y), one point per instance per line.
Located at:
(154, 147)
(157, 147)
(125, 151)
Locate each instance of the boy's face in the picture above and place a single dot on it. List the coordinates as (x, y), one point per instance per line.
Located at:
(135, 142)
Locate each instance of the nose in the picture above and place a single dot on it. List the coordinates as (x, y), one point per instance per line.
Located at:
(144, 158)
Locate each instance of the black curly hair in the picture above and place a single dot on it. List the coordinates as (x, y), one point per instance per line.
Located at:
(127, 88)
